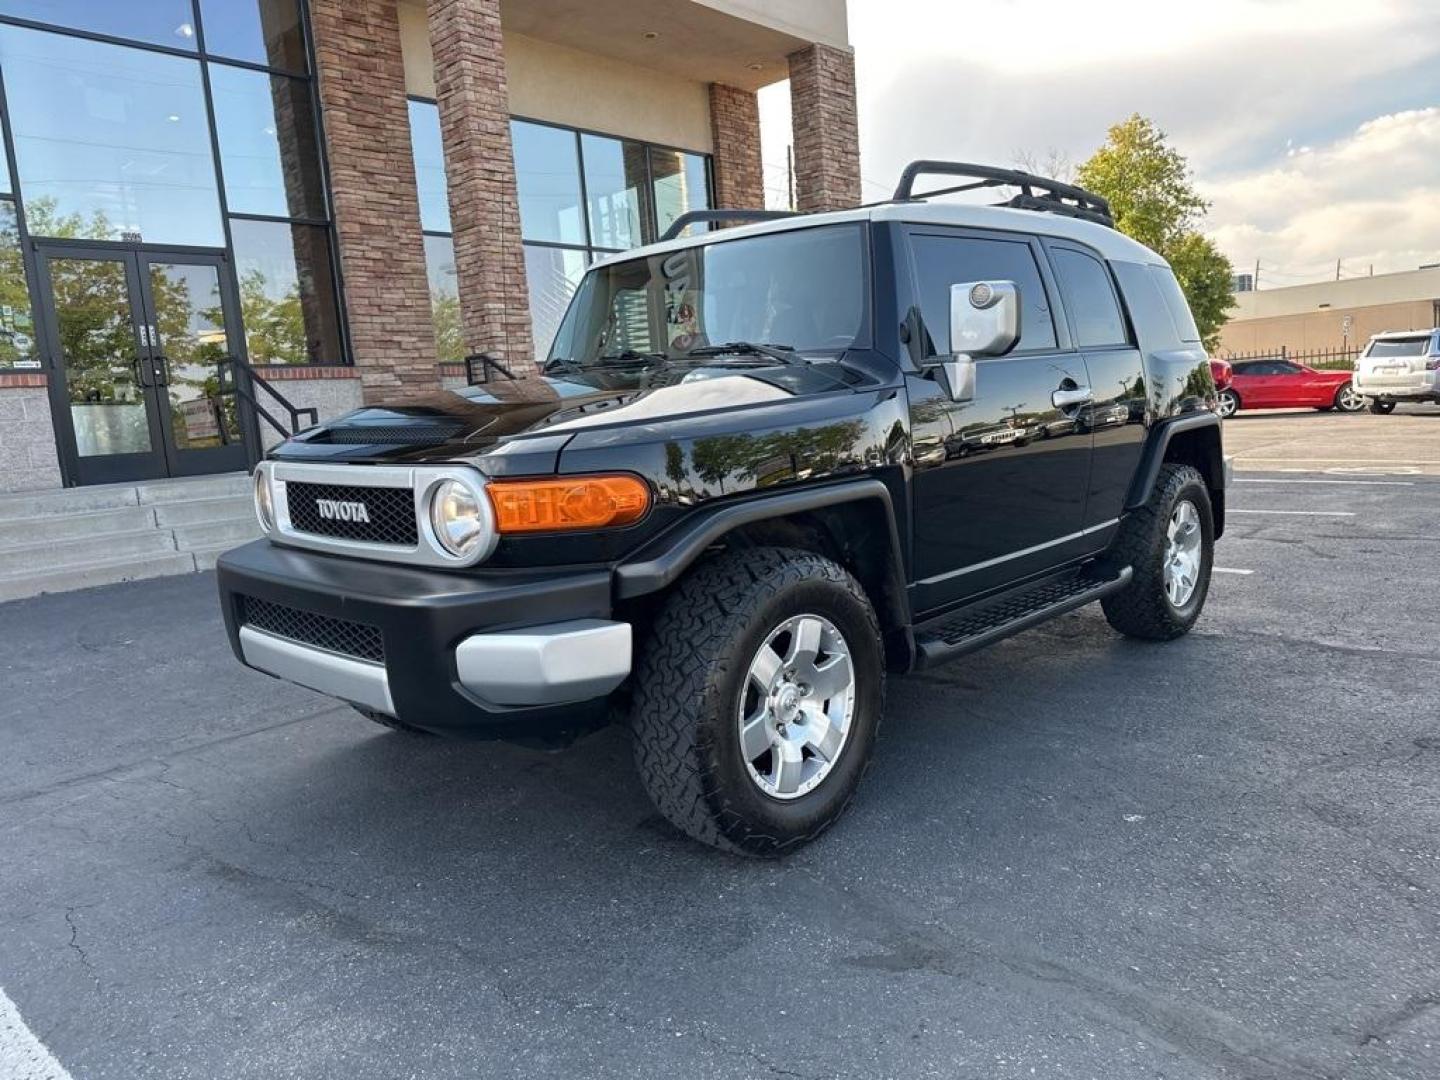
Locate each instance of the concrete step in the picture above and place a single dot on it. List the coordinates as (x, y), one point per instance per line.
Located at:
(204, 511)
(231, 533)
(81, 500)
(19, 586)
(46, 528)
(190, 488)
(43, 558)
(205, 556)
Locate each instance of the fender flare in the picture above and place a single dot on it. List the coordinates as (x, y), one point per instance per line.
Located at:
(660, 563)
(1158, 441)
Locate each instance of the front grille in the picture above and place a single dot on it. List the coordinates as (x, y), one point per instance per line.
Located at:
(342, 636)
(391, 512)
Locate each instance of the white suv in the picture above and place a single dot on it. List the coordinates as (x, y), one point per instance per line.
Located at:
(1399, 366)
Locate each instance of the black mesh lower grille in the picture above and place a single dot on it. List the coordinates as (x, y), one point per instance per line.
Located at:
(388, 513)
(342, 636)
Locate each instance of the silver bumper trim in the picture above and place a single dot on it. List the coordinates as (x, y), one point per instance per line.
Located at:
(546, 665)
(330, 673)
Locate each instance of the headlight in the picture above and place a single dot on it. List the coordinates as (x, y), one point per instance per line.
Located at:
(457, 517)
(264, 506)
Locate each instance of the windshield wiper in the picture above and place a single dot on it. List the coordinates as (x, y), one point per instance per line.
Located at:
(785, 354)
(629, 356)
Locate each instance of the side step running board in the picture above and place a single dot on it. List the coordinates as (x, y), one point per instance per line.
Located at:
(996, 617)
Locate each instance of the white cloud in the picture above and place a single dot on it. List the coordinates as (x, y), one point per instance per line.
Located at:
(1369, 198)
(1244, 88)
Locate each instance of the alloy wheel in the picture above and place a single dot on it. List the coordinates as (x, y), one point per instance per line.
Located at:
(1349, 400)
(1182, 553)
(796, 706)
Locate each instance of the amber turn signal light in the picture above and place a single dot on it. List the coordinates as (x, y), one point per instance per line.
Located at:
(574, 502)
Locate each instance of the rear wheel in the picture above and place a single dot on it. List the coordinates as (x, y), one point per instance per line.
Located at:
(1169, 544)
(1229, 404)
(1347, 399)
(1382, 406)
(758, 693)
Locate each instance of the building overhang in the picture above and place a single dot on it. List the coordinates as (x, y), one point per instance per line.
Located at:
(734, 42)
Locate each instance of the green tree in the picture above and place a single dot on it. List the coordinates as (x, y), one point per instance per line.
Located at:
(1151, 195)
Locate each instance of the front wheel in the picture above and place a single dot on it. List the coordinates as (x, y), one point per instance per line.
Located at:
(1348, 399)
(1229, 404)
(1169, 544)
(1382, 406)
(758, 694)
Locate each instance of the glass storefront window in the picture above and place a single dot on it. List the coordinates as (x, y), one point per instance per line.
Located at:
(269, 148)
(680, 185)
(287, 292)
(547, 177)
(17, 328)
(614, 186)
(444, 298)
(429, 166)
(160, 22)
(552, 275)
(112, 143)
(262, 31)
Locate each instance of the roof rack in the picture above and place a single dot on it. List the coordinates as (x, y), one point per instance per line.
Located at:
(1036, 192)
(718, 217)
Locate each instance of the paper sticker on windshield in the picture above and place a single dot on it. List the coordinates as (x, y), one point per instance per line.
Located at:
(682, 320)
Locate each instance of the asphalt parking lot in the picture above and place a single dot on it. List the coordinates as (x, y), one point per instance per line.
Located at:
(1076, 856)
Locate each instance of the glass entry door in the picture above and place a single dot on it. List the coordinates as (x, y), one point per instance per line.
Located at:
(136, 337)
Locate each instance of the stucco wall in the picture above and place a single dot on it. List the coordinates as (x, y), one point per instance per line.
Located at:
(568, 86)
(28, 460)
(336, 393)
(1317, 330)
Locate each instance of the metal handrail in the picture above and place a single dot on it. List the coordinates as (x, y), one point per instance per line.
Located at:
(244, 389)
(487, 364)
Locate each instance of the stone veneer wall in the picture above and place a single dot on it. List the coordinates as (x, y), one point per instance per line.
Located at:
(28, 461)
(827, 139)
(472, 89)
(735, 128)
(361, 76)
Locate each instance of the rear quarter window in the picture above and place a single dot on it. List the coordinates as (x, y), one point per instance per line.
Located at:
(1175, 303)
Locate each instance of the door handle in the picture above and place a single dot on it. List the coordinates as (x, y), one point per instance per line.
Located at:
(137, 372)
(1065, 399)
(162, 371)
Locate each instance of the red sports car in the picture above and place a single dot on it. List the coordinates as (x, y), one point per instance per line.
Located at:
(1283, 384)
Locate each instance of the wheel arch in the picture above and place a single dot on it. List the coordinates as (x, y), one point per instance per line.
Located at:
(852, 523)
(1192, 440)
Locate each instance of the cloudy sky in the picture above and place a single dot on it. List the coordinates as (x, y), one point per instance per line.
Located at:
(1312, 125)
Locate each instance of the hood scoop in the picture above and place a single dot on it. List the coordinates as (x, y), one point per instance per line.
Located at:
(411, 433)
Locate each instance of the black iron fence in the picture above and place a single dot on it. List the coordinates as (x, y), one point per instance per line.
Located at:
(1342, 359)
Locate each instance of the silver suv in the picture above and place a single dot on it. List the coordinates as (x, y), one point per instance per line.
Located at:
(1399, 366)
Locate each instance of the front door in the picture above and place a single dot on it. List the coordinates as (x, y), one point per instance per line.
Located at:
(135, 338)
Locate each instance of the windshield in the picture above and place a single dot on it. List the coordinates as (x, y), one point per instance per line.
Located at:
(803, 289)
(1415, 346)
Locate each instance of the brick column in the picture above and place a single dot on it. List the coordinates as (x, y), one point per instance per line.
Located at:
(377, 209)
(735, 131)
(827, 140)
(473, 90)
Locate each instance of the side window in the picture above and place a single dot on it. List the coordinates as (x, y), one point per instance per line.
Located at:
(1090, 297)
(1281, 367)
(1174, 298)
(1243, 369)
(942, 261)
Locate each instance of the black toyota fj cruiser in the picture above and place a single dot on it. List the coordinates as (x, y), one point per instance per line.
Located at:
(761, 468)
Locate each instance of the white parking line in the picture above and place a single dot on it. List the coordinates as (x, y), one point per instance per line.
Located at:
(22, 1055)
(1287, 480)
(1230, 570)
(1299, 513)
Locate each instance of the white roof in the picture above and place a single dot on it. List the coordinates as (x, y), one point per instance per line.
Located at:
(1110, 243)
(1389, 334)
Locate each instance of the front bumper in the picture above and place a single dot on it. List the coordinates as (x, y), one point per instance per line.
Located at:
(500, 654)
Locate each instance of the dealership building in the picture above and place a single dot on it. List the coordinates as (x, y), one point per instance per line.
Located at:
(348, 197)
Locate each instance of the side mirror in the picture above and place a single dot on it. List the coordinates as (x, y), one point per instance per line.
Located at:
(984, 321)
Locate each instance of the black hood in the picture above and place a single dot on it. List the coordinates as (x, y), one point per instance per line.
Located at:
(474, 420)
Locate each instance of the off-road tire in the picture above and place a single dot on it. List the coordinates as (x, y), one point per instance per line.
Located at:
(1143, 609)
(1381, 408)
(386, 720)
(691, 670)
